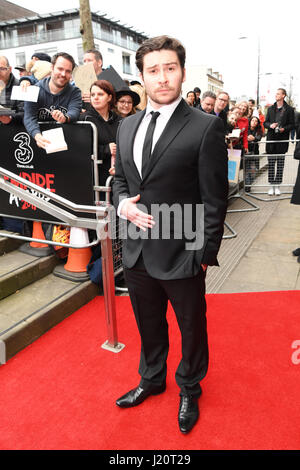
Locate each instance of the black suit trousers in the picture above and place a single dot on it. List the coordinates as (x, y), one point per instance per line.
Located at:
(149, 298)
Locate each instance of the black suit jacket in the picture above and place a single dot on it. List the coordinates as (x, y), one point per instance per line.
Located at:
(188, 166)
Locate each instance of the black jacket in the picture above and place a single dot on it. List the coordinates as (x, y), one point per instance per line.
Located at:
(287, 121)
(188, 167)
(15, 105)
(107, 133)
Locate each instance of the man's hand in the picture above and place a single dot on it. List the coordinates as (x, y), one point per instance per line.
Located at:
(41, 141)
(24, 85)
(58, 116)
(135, 215)
(274, 125)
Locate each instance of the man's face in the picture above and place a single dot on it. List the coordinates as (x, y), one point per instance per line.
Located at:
(89, 57)
(162, 76)
(5, 72)
(221, 101)
(279, 95)
(208, 104)
(61, 72)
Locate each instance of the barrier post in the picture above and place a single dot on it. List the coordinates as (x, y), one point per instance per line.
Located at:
(109, 287)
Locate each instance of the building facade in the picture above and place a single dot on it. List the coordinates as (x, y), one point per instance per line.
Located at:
(60, 32)
(203, 77)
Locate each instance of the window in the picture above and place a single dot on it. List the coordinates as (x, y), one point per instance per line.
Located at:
(126, 64)
(20, 59)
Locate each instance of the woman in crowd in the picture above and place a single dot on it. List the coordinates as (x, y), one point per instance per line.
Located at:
(240, 112)
(191, 98)
(126, 101)
(255, 134)
(107, 122)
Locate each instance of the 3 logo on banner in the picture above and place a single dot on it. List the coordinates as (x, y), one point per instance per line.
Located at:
(24, 153)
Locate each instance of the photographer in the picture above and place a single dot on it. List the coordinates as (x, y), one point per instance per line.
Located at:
(280, 120)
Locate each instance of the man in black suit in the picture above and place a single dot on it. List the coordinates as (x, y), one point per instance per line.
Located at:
(171, 185)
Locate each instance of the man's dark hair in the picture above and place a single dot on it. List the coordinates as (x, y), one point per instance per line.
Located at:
(97, 54)
(157, 44)
(251, 100)
(66, 56)
(209, 94)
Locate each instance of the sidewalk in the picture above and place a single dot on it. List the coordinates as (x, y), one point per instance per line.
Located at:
(260, 257)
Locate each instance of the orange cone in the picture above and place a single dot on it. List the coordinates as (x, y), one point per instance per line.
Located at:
(37, 232)
(78, 258)
(35, 248)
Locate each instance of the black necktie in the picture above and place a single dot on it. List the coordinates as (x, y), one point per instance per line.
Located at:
(147, 147)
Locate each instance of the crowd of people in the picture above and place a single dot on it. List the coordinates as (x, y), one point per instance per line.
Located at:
(245, 125)
(60, 100)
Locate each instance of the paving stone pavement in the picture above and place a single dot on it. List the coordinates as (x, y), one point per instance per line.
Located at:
(260, 257)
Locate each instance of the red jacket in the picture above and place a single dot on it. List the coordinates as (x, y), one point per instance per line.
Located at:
(242, 124)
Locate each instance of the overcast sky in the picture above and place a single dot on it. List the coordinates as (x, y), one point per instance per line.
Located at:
(210, 30)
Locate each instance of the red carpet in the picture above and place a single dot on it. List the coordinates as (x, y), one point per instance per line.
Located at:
(59, 392)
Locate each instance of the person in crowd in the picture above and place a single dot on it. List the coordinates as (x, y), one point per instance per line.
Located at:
(197, 92)
(240, 112)
(107, 121)
(138, 88)
(126, 102)
(221, 104)
(280, 120)
(208, 101)
(22, 70)
(37, 71)
(58, 100)
(7, 81)
(95, 57)
(41, 56)
(261, 118)
(251, 108)
(296, 191)
(188, 151)
(255, 134)
(191, 98)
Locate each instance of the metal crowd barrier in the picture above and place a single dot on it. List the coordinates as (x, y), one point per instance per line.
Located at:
(264, 172)
(99, 217)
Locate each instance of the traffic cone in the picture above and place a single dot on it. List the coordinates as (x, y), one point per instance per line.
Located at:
(78, 258)
(36, 248)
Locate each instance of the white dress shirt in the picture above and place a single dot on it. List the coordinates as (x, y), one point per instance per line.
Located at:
(166, 112)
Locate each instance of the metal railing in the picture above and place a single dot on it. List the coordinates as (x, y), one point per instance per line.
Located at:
(101, 225)
(270, 176)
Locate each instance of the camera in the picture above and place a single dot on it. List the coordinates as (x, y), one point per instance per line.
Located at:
(276, 130)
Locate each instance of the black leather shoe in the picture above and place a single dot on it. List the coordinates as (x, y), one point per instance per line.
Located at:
(188, 413)
(138, 395)
(296, 252)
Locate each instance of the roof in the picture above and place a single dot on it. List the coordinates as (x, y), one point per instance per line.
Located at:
(10, 11)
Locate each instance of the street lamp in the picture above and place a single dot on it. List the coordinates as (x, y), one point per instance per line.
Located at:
(258, 67)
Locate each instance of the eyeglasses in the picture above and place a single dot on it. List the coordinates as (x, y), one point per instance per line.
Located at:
(2, 69)
(128, 103)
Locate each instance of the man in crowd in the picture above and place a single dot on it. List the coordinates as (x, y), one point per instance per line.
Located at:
(58, 100)
(280, 120)
(94, 56)
(161, 152)
(221, 104)
(7, 81)
(208, 101)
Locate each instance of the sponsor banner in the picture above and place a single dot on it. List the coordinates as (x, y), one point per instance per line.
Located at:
(68, 173)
